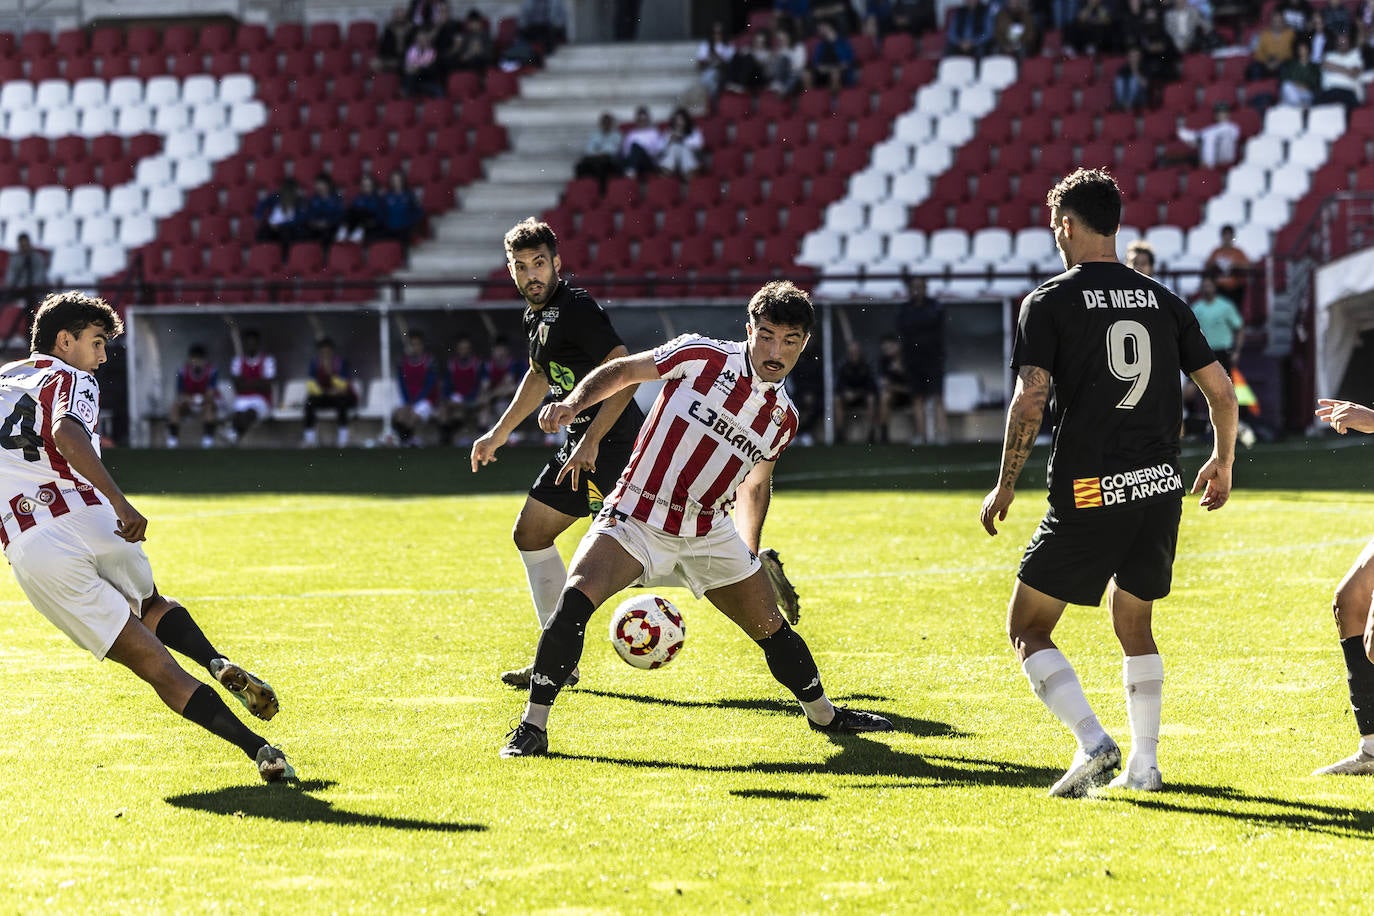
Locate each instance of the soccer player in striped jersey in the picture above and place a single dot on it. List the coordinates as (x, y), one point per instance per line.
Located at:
(72, 538)
(713, 434)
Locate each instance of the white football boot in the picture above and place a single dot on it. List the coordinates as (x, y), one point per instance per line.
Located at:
(1359, 763)
(1088, 769)
(1146, 780)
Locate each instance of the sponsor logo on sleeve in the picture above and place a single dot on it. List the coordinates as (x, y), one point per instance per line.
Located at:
(84, 410)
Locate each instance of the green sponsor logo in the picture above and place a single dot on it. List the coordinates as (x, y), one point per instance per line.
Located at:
(562, 376)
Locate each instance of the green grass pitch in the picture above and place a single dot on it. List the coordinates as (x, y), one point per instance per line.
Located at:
(379, 592)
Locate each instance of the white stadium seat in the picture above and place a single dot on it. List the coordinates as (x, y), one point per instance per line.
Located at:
(1283, 121)
(884, 288)
(97, 121)
(845, 216)
(246, 116)
(935, 98)
(153, 172)
(1124, 236)
(25, 122)
(963, 391)
(947, 246)
(69, 263)
(16, 95)
(868, 186)
(61, 122)
(1033, 243)
(88, 92)
(997, 72)
(911, 187)
(955, 128)
(992, 245)
(236, 87)
(134, 119)
(820, 248)
(208, 116)
(125, 200)
(888, 216)
(1270, 211)
(1265, 151)
(908, 246)
(14, 227)
(864, 247)
(1167, 241)
(957, 71)
(977, 100)
(125, 91)
(220, 144)
(57, 231)
(933, 158)
(98, 230)
(1288, 183)
(1247, 180)
(162, 90)
(838, 289)
(1326, 121)
(15, 201)
(1202, 239)
(199, 88)
(107, 260)
(1226, 208)
(1309, 151)
(171, 117)
(165, 201)
(137, 230)
(1254, 240)
(914, 127)
(191, 173)
(88, 200)
(892, 156)
(52, 94)
(184, 144)
(50, 201)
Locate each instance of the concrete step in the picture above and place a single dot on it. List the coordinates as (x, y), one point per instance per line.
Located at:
(450, 261)
(468, 230)
(442, 295)
(533, 197)
(561, 143)
(601, 85)
(513, 167)
(582, 114)
(647, 57)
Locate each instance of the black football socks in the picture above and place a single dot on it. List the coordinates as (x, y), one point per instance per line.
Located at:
(207, 710)
(178, 631)
(1360, 677)
(791, 663)
(560, 646)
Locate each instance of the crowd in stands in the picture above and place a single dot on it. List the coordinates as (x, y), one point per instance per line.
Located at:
(643, 148)
(424, 43)
(284, 217)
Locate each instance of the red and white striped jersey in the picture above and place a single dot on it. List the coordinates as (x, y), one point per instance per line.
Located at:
(712, 422)
(36, 483)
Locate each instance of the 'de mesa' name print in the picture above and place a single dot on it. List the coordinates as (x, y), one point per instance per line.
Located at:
(1120, 299)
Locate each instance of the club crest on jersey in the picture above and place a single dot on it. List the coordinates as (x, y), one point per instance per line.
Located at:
(85, 410)
(46, 497)
(25, 506)
(543, 334)
(778, 415)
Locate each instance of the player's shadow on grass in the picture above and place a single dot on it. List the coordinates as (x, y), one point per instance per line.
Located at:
(1231, 803)
(922, 728)
(292, 803)
(778, 794)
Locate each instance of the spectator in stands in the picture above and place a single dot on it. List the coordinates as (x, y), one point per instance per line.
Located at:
(712, 56)
(279, 215)
(787, 65)
(856, 393)
(877, 19)
(401, 210)
(323, 212)
(26, 282)
(1230, 267)
(682, 146)
(501, 374)
(832, 61)
(1218, 142)
(601, 156)
(417, 380)
(1161, 57)
(839, 13)
(1131, 88)
(1221, 323)
(1185, 26)
(641, 145)
(1015, 30)
(970, 29)
(1127, 24)
(1140, 257)
(1342, 74)
(913, 16)
(747, 69)
(1298, 15)
(543, 22)
(254, 373)
(472, 48)
(421, 76)
(1273, 49)
(423, 13)
(1364, 28)
(362, 220)
(392, 43)
(464, 384)
(1300, 79)
(197, 395)
(921, 331)
(894, 385)
(445, 34)
(1091, 30)
(794, 15)
(328, 386)
(1335, 19)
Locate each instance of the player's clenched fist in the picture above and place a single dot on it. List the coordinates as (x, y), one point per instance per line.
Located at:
(555, 415)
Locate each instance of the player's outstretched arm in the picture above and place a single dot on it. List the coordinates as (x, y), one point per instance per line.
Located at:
(1024, 416)
(1345, 415)
(526, 400)
(1214, 478)
(74, 442)
(751, 503)
(583, 457)
(599, 384)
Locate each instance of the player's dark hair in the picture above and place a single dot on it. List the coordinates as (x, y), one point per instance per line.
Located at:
(782, 302)
(324, 342)
(528, 234)
(252, 334)
(196, 350)
(1140, 246)
(1092, 196)
(71, 311)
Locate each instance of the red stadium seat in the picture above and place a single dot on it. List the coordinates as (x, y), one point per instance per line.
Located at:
(303, 260)
(264, 259)
(184, 260)
(188, 64)
(36, 44)
(734, 106)
(827, 188)
(852, 103)
(349, 87)
(295, 143)
(662, 192)
(720, 221)
(916, 73)
(179, 39)
(489, 139)
(258, 144)
(751, 134)
(760, 220)
(70, 42)
(1074, 72)
(501, 85)
(107, 41)
(773, 107)
(311, 87)
(1098, 153)
(385, 257)
(655, 253)
(678, 223)
(204, 199)
(116, 172)
(215, 38)
(871, 131)
(899, 47)
(1074, 128)
(398, 113)
(815, 105)
(744, 191)
(263, 64)
(227, 261)
(78, 173)
(596, 224)
(323, 116)
(1184, 212)
(231, 171)
(289, 36)
(80, 67)
(325, 35)
(222, 63)
(346, 170)
(337, 61)
(785, 189)
(613, 251)
(143, 40)
(876, 75)
(147, 66)
(994, 186)
(45, 68)
(251, 37)
(32, 150)
(11, 173)
(68, 149)
(703, 191)
(299, 62)
(1118, 126)
(1180, 98)
(464, 85)
(766, 161)
(361, 35)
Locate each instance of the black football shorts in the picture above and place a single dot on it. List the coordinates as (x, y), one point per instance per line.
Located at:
(1073, 554)
(611, 459)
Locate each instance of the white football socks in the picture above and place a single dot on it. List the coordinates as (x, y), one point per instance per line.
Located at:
(547, 576)
(1143, 678)
(821, 711)
(1055, 683)
(537, 714)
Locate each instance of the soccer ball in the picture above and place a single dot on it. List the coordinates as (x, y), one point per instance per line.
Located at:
(648, 631)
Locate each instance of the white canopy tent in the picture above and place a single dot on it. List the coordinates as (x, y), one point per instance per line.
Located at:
(1344, 301)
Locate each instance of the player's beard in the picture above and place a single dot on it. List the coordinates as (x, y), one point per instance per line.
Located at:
(542, 296)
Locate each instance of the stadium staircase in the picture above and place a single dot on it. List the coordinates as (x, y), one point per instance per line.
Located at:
(548, 124)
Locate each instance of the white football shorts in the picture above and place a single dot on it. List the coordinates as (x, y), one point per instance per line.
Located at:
(82, 576)
(423, 410)
(252, 403)
(715, 560)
